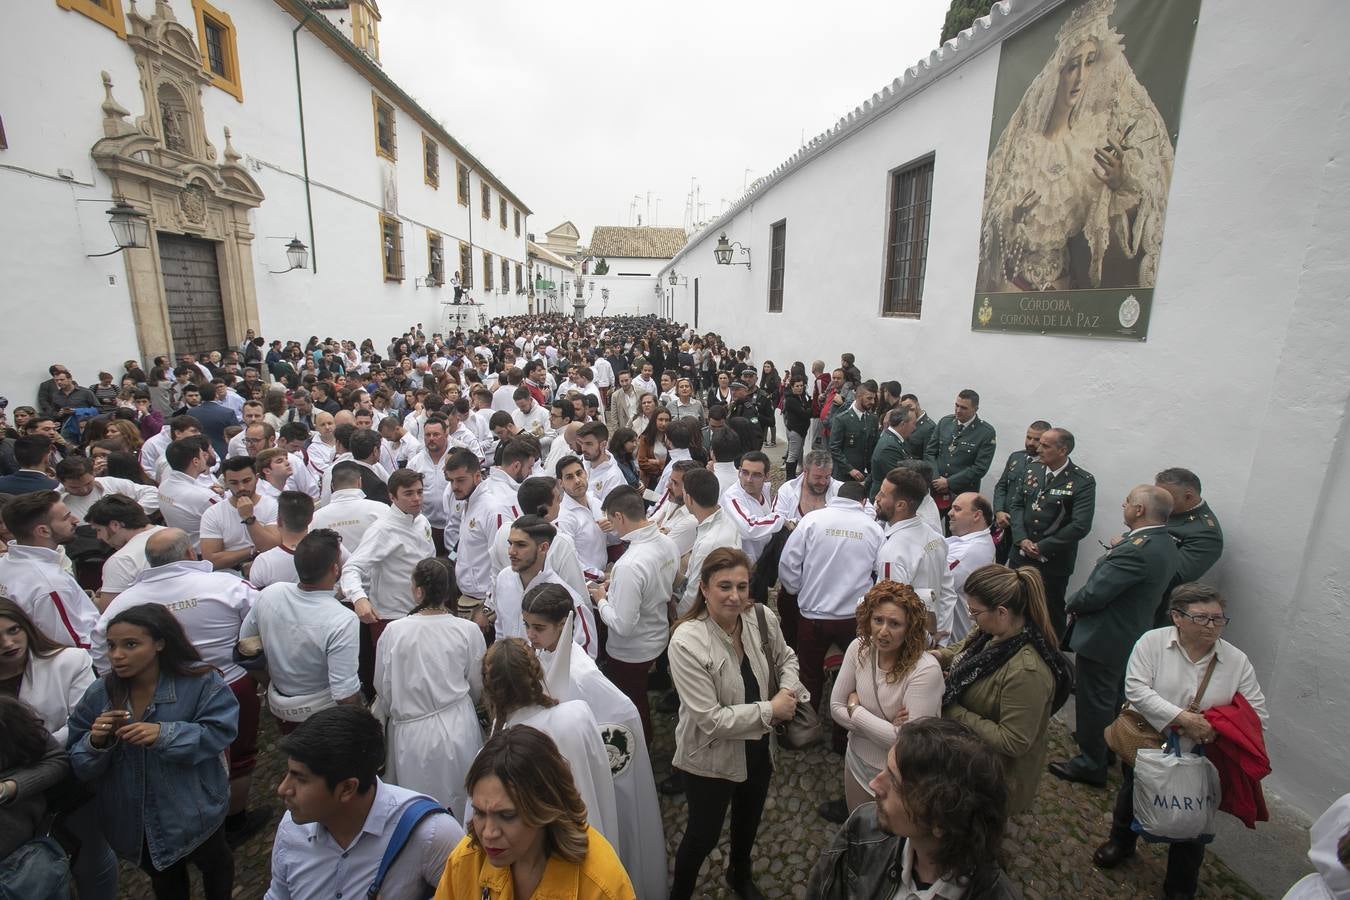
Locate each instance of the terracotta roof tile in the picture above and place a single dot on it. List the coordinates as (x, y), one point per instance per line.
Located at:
(636, 242)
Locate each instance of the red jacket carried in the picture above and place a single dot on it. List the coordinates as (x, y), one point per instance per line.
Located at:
(1239, 753)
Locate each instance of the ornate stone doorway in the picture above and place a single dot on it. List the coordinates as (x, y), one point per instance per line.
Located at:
(164, 165)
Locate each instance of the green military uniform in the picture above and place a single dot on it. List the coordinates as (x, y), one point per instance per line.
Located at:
(852, 440)
(960, 453)
(1054, 511)
(1112, 610)
(890, 452)
(1200, 543)
(918, 438)
(1014, 477)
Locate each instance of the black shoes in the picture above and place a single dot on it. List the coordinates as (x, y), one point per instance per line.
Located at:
(835, 811)
(1069, 771)
(1112, 854)
(742, 885)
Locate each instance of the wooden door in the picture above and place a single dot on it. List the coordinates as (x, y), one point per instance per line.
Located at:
(192, 291)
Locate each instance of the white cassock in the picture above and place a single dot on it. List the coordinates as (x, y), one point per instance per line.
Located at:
(428, 673)
(573, 676)
(573, 728)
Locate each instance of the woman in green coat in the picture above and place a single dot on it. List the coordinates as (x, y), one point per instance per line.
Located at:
(1007, 677)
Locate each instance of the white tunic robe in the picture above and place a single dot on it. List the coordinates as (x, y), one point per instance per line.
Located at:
(574, 676)
(574, 729)
(428, 673)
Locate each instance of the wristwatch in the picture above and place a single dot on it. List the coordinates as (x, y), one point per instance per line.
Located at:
(249, 521)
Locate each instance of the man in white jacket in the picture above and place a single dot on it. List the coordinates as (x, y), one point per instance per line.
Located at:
(749, 504)
(81, 489)
(530, 540)
(377, 578)
(969, 547)
(914, 553)
(31, 574)
(183, 499)
(634, 601)
(348, 511)
(827, 562)
(120, 523)
(810, 490)
(481, 506)
(715, 529)
(211, 607)
(428, 461)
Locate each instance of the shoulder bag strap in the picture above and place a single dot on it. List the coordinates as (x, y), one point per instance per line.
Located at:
(1204, 683)
(763, 622)
(411, 818)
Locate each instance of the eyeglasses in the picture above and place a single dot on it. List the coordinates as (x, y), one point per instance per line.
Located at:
(1219, 620)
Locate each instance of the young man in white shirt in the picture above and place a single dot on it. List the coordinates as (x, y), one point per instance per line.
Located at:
(529, 541)
(347, 512)
(480, 507)
(913, 552)
(540, 496)
(603, 474)
(340, 817)
(120, 523)
(715, 529)
(529, 416)
(377, 578)
(827, 564)
(211, 607)
(970, 546)
(670, 513)
(294, 439)
(153, 450)
(579, 515)
(749, 504)
(183, 499)
(634, 600)
(311, 640)
(233, 532)
(428, 461)
(295, 513)
(31, 574)
(80, 488)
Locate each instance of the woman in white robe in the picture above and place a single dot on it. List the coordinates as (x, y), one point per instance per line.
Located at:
(513, 690)
(569, 675)
(428, 674)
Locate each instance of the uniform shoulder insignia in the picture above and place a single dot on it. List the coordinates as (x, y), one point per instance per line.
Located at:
(1139, 540)
(1209, 522)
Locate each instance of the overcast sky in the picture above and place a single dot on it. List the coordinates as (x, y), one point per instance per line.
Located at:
(580, 108)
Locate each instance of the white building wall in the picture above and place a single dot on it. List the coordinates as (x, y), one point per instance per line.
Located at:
(52, 120)
(1244, 377)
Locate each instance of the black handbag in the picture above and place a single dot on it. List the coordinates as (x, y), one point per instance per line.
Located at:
(804, 728)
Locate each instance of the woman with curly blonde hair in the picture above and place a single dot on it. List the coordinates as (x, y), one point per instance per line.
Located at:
(886, 679)
(527, 832)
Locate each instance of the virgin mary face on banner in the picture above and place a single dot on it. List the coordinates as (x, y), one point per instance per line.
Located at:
(1077, 182)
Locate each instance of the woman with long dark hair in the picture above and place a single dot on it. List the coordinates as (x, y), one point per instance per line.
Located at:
(654, 447)
(31, 762)
(428, 675)
(150, 737)
(623, 445)
(51, 679)
(1007, 677)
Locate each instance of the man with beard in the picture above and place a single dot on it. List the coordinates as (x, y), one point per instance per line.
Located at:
(528, 544)
(1015, 478)
(31, 573)
(913, 553)
(960, 449)
(480, 507)
(853, 435)
(579, 515)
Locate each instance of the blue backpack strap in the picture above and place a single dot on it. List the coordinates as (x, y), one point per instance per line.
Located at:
(411, 818)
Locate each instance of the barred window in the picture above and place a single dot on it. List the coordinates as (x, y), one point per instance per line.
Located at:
(777, 255)
(909, 212)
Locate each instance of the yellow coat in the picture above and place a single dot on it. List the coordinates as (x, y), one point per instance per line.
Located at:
(600, 876)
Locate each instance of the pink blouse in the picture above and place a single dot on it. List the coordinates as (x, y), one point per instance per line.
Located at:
(871, 732)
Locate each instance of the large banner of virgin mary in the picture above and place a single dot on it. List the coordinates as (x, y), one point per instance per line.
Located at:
(1085, 123)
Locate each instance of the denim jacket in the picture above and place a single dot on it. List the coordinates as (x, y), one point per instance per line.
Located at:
(169, 796)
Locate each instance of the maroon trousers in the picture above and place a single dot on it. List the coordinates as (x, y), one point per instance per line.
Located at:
(631, 678)
(814, 637)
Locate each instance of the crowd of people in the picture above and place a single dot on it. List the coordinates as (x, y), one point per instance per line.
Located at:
(461, 572)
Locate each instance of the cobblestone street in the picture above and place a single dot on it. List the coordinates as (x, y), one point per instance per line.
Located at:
(1047, 851)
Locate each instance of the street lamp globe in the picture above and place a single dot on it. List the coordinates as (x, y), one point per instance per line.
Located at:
(130, 226)
(722, 251)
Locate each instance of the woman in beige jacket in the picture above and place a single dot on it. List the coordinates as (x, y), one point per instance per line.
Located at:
(724, 742)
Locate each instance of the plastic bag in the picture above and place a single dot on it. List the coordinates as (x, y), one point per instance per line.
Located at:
(1176, 795)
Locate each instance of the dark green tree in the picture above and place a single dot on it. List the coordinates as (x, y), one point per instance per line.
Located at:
(961, 15)
(602, 267)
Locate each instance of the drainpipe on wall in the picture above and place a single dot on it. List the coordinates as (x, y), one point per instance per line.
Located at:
(304, 150)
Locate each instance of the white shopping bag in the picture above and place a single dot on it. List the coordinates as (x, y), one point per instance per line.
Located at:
(1176, 795)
